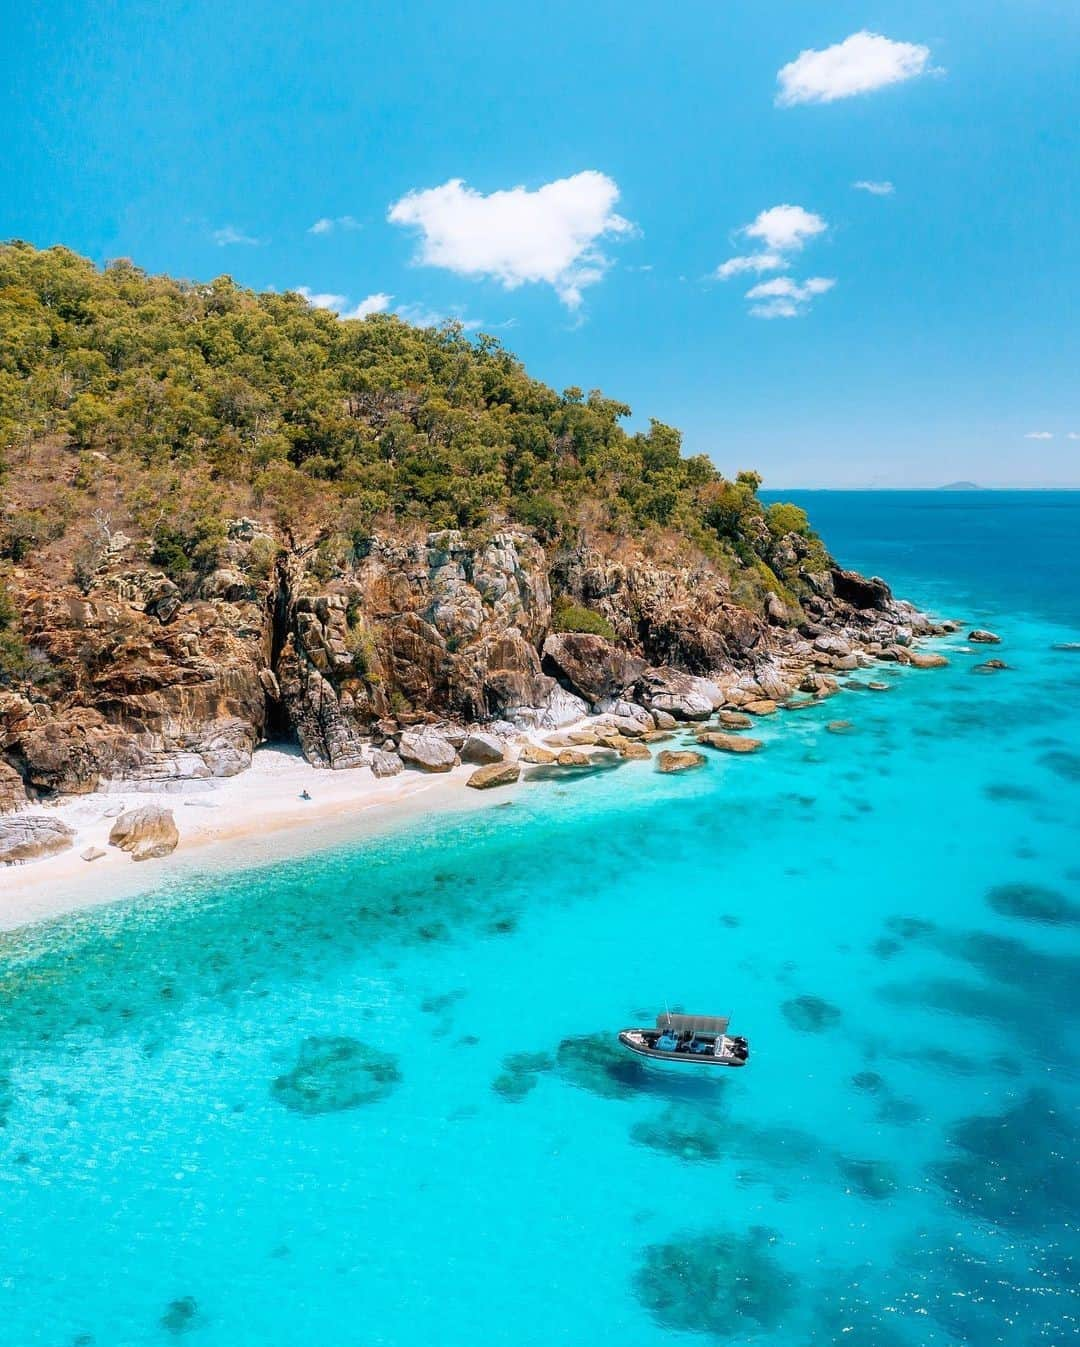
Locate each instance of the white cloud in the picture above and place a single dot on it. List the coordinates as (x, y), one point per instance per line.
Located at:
(1040, 435)
(327, 224)
(874, 188)
(339, 304)
(517, 236)
(229, 235)
(785, 228)
(862, 62)
(1073, 435)
(376, 303)
(784, 298)
(783, 231)
(419, 315)
(322, 301)
(757, 262)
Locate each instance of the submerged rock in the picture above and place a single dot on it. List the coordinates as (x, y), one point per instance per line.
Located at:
(723, 1283)
(32, 837)
(596, 1062)
(147, 833)
(334, 1074)
(810, 1014)
(926, 659)
(689, 1136)
(674, 760)
(1016, 1168)
(1063, 764)
(180, 1315)
(729, 743)
(1034, 902)
(873, 1178)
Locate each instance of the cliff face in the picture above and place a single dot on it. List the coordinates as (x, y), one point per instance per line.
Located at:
(144, 682)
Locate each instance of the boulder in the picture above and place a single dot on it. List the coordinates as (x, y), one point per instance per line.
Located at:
(494, 774)
(427, 749)
(861, 591)
(92, 854)
(879, 687)
(147, 832)
(681, 695)
(573, 757)
(664, 720)
(633, 750)
(764, 706)
(482, 748)
(990, 666)
(32, 837)
(534, 753)
(730, 743)
(734, 720)
(385, 763)
(581, 738)
(685, 760)
(926, 659)
(590, 666)
(12, 790)
(981, 637)
(618, 708)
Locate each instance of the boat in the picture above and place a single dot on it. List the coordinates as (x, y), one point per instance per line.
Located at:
(701, 1040)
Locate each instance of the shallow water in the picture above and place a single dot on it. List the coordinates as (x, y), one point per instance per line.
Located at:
(370, 1098)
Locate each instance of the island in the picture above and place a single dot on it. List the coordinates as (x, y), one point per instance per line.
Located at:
(235, 519)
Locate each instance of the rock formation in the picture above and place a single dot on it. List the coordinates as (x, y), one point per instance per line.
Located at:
(31, 837)
(146, 833)
(385, 660)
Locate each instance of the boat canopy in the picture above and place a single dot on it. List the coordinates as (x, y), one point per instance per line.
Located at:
(694, 1024)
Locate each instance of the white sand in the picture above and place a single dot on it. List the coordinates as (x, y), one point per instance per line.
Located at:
(246, 819)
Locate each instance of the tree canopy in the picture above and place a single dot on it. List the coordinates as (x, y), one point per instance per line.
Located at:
(200, 398)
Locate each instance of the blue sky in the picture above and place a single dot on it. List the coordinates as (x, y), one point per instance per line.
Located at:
(911, 336)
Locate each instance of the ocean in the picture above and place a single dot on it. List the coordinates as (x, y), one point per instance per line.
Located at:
(372, 1098)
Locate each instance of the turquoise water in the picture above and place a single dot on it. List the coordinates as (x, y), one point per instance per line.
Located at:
(276, 1107)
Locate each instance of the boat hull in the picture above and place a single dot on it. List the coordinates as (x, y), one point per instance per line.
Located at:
(677, 1058)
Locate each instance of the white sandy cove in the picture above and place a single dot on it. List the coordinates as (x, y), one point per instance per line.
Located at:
(253, 817)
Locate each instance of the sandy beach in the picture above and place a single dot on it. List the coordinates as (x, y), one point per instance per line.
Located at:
(248, 819)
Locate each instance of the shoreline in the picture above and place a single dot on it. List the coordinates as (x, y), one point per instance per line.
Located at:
(254, 817)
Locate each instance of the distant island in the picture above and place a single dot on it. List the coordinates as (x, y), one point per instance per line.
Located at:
(961, 486)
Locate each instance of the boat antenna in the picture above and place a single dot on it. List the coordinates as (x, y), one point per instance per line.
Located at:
(667, 1013)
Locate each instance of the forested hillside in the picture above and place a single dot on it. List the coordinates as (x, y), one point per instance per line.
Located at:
(172, 406)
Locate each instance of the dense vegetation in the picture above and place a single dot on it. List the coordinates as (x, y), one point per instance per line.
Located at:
(185, 403)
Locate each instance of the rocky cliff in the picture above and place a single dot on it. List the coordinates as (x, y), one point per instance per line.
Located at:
(139, 681)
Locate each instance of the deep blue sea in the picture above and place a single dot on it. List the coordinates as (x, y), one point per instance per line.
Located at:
(371, 1098)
